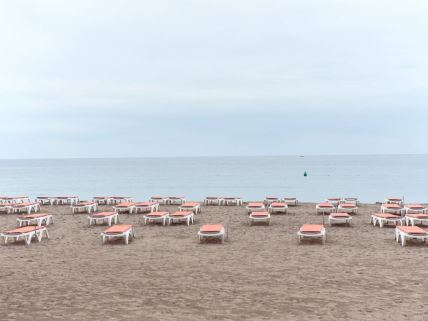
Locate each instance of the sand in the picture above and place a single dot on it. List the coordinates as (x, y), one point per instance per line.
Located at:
(260, 273)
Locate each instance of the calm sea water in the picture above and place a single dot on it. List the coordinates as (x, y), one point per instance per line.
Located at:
(370, 178)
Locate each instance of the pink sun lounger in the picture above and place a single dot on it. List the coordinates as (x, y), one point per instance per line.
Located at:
(83, 206)
(339, 218)
(211, 231)
(414, 219)
(103, 217)
(403, 233)
(14, 199)
(190, 206)
(394, 200)
(146, 207)
(119, 199)
(259, 217)
(415, 209)
(38, 219)
(124, 207)
(26, 233)
(278, 207)
(312, 231)
(325, 208)
(255, 207)
(156, 217)
(181, 216)
(213, 200)
(120, 231)
(291, 201)
(162, 200)
(392, 208)
(232, 201)
(351, 208)
(24, 207)
(176, 200)
(382, 219)
(333, 200)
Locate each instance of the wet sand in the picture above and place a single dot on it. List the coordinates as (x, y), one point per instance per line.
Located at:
(260, 273)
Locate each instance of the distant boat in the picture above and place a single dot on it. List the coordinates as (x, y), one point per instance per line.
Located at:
(301, 156)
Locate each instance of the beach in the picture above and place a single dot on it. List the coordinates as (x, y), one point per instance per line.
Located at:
(259, 273)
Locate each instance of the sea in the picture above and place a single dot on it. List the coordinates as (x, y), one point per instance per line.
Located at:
(371, 178)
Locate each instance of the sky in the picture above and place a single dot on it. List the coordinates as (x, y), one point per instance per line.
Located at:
(211, 78)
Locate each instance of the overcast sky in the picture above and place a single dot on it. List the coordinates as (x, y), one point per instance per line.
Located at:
(187, 78)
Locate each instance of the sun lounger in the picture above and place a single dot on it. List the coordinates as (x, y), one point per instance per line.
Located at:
(5, 208)
(277, 207)
(181, 216)
(190, 206)
(145, 207)
(348, 208)
(271, 199)
(44, 200)
(120, 199)
(101, 200)
(64, 200)
(257, 217)
(402, 233)
(176, 200)
(255, 207)
(415, 219)
(232, 201)
(211, 231)
(334, 200)
(213, 200)
(24, 207)
(120, 231)
(339, 218)
(385, 219)
(392, 208)
(351, 200)
(35, 219)
(415, 209)
(26, 233)
(394, 200)
(14, 199)
(83, 206)
(325, 208)
(103, 217)
(159, 199)
(156, 217)
(291, 201)
(125, 207)
(312, 231)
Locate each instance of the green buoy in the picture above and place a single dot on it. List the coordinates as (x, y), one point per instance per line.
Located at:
(305, 174)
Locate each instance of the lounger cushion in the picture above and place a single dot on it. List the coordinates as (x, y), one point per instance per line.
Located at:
(190, 204)
(157, 214)
(84, 204)
(412, 230)
(340, 215)
(23, 204)
(260, 214)
(347, 205)
(391, 205)
(278, 204)
(29, 216)
(325, 205)
(394, 199)
(311, 228)
(255, 205)
(142, 204)
(211, 228)
(125, 204)
(386, 215)
(24, 229)
(103, 214)
(120, 228)
(181, 213)
(415, 206)
(420, 216)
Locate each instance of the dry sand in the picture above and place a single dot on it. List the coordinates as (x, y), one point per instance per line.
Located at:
(261, 273)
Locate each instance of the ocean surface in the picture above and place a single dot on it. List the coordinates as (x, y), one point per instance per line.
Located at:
(370, 178)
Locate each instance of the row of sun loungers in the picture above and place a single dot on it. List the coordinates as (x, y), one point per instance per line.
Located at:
(57, 200)
(227, 201)
(14, 199)
(13, 208)
(275, 207)
(327, 208)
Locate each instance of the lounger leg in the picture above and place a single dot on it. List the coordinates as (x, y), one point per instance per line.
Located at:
(403, 240)
(126, 238)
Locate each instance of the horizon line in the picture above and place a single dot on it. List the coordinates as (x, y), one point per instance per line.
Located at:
(211, 156)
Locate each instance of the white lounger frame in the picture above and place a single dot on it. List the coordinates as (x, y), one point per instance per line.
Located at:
(195, 209)
(321, 235)
(109, 219)
(384, 209)
(127, 235)
(219, 235)
(189, 219)
(401, 237)
(38, 221)
(34, 207)
(339, 220)
(85, 208)
(259, 219)
(275, 209)
(164, 219)
(260, 208)
(349, 210)
(414, 220)
(28, 236)
(325, 210)
(145, 209)
(381, 221)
